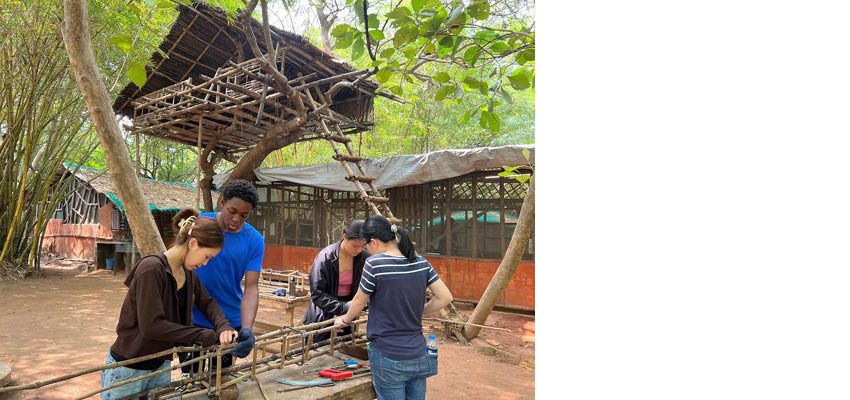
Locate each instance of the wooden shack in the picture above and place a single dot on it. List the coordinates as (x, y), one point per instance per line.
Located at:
(457, 208)
(91, 225)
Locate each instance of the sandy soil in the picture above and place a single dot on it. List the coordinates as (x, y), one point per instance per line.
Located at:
(64, 322)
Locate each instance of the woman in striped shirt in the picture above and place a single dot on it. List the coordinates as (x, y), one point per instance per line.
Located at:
(393, 283)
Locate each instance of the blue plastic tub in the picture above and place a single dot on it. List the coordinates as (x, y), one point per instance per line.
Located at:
(110, 263)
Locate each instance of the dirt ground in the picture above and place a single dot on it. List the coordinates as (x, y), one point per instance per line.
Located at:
(64, 322)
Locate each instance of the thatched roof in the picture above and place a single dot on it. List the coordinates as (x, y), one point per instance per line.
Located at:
(201, 41)
(162, 196)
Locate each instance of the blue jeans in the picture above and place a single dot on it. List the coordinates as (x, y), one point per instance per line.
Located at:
(400, 379)
(109, 377)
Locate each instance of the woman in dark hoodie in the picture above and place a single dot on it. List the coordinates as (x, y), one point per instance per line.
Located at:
(334, 277)
(157, 312)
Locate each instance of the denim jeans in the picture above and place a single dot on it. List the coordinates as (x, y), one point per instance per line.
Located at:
(400, 379)
(109, 377)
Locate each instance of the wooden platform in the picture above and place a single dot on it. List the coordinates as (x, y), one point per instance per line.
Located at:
(358, 387)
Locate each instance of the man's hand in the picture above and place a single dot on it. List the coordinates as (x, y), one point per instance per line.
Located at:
(245, 342)
(227, 337)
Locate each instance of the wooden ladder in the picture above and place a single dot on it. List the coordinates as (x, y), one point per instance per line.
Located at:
(379, 205)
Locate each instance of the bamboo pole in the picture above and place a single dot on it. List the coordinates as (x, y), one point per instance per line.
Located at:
(51, 381)
(198, 176)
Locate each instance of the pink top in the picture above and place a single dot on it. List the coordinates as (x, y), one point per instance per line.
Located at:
(345, 278)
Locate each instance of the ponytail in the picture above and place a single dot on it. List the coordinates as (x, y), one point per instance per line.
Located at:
(380, 227)
(405, 245)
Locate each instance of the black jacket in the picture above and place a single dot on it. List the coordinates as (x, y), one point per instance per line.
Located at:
(324, 284)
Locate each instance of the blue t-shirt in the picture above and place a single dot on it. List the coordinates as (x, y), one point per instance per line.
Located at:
(397, 300)
(222, 276)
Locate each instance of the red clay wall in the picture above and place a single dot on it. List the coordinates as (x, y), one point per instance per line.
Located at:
(466, 278)
(77, 241)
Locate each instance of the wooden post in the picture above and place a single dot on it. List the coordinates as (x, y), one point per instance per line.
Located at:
(502, 216)
(327, 209)
(298, 215)
(447, 223)
(198, 177)
(218, 372)
(475, 220)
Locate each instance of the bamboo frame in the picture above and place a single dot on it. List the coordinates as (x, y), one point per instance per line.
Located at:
(283, 335)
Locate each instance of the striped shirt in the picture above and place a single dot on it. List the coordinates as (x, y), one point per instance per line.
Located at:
(397, 298)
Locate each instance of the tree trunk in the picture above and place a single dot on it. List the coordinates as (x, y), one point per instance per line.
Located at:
(508, 266)
(326, 23)
(75, 34)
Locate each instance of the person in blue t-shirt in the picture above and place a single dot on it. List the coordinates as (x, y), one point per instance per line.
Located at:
(241, 256)
(393, 283)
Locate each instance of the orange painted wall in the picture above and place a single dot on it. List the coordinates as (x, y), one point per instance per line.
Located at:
(77, 241)
(466, 278)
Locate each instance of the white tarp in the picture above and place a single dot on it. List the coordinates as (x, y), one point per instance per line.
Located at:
(397, 171)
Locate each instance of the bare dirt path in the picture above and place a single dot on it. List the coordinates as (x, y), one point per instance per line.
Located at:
(65, 321)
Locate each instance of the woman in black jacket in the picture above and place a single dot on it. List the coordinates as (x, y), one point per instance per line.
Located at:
(335, 276)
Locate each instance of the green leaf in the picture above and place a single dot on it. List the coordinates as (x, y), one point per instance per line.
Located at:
(341, 30)
(434, 23)
(489, 121)
(376, 34)
(164, 4)
(446, 41)
(526, 154)
(519, 81)
(528, 54)
(485, 36)
(472, 82)
(506, 96)
(418, 4)
(137, 74)
(471, 55)
(483, 88)
(396, 90)
(480, 10)
(404, 34)
(465, 118)
(442, 77)
(345, 41)
(123, 43)
(358, 10)
(458, 15)
(357, 48)
(402, 13)
(410, 51)
(499, 47)
(383, 75)
(387, 52)
(522, 178)
(373, 21)
(506, 173)
(443, 91)
(430, 48)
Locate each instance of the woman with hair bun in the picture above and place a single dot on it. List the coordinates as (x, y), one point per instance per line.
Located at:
(393, 283)
(157, 311)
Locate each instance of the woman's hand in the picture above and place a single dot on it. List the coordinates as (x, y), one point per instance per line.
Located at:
(227, 337)
(340, 320)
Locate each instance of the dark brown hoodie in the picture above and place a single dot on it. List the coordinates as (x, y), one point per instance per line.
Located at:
(149, 318)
